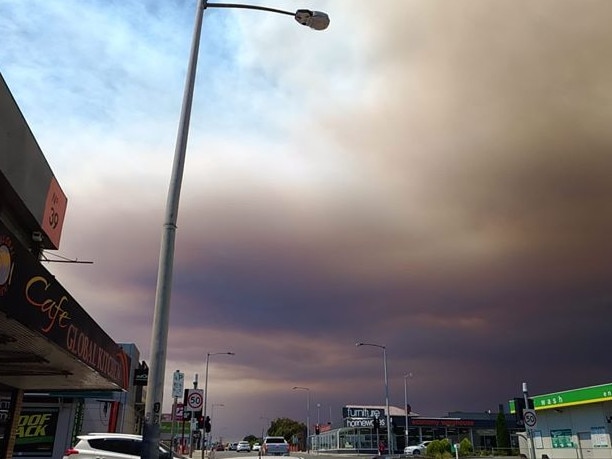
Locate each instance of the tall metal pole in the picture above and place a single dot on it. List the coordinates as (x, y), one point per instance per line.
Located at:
(389, 437)
(406, 376)
(212, 418)
(307, 442)
(205, 436)
(388, 418)
(318, 426)
(308, 420)
(159, 335)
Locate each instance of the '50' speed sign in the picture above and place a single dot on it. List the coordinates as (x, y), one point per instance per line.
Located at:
(195, 399)
(530, 419)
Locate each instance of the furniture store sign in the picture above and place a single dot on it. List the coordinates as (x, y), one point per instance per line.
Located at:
(363, 416)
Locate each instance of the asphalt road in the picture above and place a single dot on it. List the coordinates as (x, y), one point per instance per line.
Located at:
(255, 455)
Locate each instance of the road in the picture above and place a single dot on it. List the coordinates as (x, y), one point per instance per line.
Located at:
(255, 455)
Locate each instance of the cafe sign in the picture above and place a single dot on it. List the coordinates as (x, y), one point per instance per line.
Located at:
(33, 296)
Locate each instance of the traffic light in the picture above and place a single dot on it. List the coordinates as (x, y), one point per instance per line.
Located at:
(201, 422)
(317, 429)
(207, 424)
(519, 407)
(376, 423)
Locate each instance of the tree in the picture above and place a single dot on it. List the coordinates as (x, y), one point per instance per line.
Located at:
(502, 433)
(285, 427)
(289, 429)
(251, 439)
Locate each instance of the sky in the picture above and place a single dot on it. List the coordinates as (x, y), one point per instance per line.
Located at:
(431, 176)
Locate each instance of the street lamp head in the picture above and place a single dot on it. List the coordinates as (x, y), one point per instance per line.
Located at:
(371, 344)
(316, 20)
(219, 353)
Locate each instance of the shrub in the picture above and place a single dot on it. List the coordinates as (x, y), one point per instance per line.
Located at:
(465, 447)
(439, 449)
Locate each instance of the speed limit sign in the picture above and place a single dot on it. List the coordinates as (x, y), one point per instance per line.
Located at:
(195, 399)
(530, 419)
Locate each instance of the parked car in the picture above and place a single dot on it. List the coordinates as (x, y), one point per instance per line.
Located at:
(233, 446)
(243, 446)
(415, 450)
(256, 446)
(112, 445)
(219, 447)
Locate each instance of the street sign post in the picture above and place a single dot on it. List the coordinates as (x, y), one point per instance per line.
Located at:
(532, 420)
(178, 382)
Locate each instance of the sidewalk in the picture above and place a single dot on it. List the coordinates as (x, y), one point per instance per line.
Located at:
(197, 454)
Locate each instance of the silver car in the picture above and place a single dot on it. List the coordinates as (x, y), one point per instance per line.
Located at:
(415, 450)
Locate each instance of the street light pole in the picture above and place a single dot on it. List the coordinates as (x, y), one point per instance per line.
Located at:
(318, 426)
(384, 348)
(206, 392)
(307, 442)
(212, 416)
(159, 334)
(262, 434)
(262, 430)
(406, 376)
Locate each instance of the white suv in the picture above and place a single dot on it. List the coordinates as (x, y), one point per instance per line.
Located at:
(112, 445)
(243, 446)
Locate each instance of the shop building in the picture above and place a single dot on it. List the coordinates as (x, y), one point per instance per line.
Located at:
(50, 347)
(358, 434)
(573, 423)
